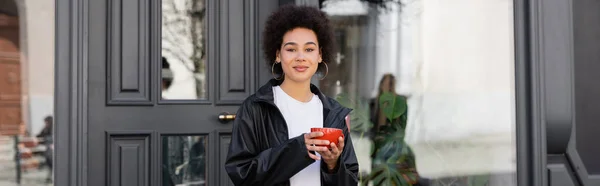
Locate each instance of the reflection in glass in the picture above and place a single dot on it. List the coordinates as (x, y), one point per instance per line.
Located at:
(430, 83)
(183, 160)
(183, 49)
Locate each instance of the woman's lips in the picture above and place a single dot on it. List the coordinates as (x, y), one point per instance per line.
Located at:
(300, 68)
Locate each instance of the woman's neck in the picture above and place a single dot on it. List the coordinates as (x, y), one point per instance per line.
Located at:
(298, 90)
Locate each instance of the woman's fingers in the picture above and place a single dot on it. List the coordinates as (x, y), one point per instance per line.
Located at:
(317, 142)
(341, 143)
(313, 156)
(317, 145)
(334, 149)
(314, 134)
(326, 153)
(316, 148)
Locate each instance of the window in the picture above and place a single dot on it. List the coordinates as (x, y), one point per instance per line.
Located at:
(432, 88)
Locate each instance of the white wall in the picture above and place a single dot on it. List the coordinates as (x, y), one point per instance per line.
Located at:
(463, 105)
(388, 48)
(397, 45)
(37, 62)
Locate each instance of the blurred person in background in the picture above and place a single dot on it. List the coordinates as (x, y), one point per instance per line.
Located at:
(45, 137)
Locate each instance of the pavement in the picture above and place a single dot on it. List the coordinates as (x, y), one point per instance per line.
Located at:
(32, 177)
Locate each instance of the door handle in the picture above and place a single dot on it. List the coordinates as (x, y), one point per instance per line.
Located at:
(225, 117)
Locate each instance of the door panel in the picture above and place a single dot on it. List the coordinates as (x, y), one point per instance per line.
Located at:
(236, 59)
(584, 151)
(128, 158)
(570, 90)
(134, 136)
(127, 54)
(224, 140)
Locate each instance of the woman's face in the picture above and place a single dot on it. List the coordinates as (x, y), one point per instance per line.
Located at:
(299, 54)
(385, 85)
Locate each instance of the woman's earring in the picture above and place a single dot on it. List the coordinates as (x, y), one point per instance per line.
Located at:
(326, 71)
(273, 72)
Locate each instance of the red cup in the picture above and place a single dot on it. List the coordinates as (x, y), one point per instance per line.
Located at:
(330, 134)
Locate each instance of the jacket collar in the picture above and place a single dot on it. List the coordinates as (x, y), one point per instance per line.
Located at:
(265, 94)
(332, 110)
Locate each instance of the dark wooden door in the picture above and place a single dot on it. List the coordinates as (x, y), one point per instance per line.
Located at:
(10, 76)
(126, 130)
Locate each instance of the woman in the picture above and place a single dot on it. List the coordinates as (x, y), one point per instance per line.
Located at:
(46, 136)
(383, 129)
(271, 142)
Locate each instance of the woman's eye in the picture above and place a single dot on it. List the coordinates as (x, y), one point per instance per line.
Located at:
(291, 50)
(310, 50)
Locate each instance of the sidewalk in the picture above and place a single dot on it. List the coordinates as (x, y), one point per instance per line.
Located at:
(33, 178)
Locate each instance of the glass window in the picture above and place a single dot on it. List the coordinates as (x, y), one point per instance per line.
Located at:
(431, 85)
(183, 49)
(183, 160)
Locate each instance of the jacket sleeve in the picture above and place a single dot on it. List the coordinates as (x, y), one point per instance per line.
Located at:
(247, 164)
(346, 171)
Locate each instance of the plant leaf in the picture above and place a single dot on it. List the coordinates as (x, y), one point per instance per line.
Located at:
(393, 105)
(359, 117)
(378, 175)
(344, 100)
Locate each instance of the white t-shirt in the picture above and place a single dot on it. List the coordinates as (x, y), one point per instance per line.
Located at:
(300, 117)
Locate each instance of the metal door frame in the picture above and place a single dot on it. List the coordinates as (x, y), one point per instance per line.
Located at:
(544, 66)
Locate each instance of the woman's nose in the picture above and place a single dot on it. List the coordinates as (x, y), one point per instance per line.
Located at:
(301, 56)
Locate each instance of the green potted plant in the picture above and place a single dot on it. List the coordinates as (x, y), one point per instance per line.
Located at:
(392, 160)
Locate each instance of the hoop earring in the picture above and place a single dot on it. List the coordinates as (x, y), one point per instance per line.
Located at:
(326, 71)
(273, 72)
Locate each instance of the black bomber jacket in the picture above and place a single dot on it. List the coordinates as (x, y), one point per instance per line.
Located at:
(261, 153)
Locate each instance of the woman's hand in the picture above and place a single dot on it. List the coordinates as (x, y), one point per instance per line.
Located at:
(311, 144)
(330, 157)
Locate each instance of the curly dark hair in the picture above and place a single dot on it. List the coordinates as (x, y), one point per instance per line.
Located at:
(289, 17)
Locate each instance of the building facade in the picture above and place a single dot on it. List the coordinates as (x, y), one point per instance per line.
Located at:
(142, 91)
